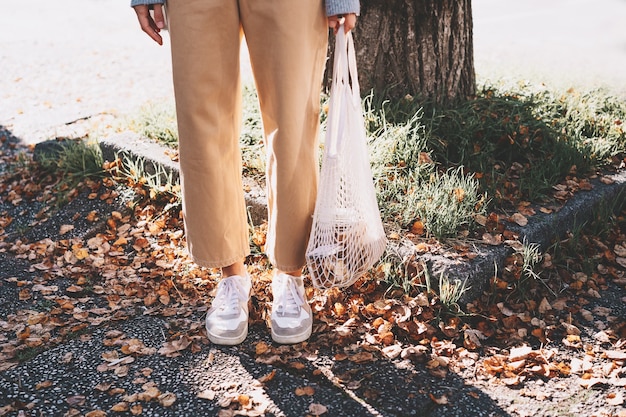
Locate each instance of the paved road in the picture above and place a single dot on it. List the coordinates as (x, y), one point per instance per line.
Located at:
(62, 61)
(562, 42)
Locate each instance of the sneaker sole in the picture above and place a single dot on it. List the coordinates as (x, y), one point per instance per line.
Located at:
(289, 340)
(227, 341)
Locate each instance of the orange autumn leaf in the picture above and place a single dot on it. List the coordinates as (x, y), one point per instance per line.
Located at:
(168, 399)
(459, 194)
(340, 309)
(305, 391)
(24, 334)
(417, 228)
(24, 294)
(438, 400)
(519, 219)
(539, 334)
(120, 407)
(261, 348)
(267, 377)
(136, 409)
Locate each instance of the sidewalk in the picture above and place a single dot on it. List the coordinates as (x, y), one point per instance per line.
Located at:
(564, 43)
(88, 58)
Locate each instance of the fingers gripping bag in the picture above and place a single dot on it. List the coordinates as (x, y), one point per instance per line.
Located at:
(347, 236)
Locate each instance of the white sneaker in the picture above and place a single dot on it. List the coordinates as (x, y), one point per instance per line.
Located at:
(292, 321)
(227, 320)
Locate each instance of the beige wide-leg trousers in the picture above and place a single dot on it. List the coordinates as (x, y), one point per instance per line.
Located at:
(287, 40)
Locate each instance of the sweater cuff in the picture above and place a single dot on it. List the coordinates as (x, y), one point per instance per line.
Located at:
(335, 7)
(134, 3)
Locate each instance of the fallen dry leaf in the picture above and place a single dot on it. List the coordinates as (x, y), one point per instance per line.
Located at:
(136, 409)
(243, 399)
(619, 355)
(544, 306)
(392, 351)
(261, 348)
(439, 401)
(120, 407)
(44, 384)
(490, 239)
(620, 250)
(167, 399)
(519, 218)
(173, 348)
(590, 382)
(150, 392)
(519, 353)
(362, 357)
(96, 413)
(66, 228)
(75, 400)
(302, 391)
(615, 398)
(317, 409)
(267, 377)
(207, 394)
(472, 338)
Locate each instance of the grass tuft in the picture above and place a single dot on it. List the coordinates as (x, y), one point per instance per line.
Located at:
(156, 121)
(75, 160)
(159, 182)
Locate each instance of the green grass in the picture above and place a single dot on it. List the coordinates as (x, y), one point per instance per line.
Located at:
(604, 218)
(400, 269)
(576, 251)
(155, 121)
(72, 161)
(153, 178)
(75, 160)
(28, 353)
(251, 138)
(442, 166)
(450, 294)
(528, 133)
(531, 257)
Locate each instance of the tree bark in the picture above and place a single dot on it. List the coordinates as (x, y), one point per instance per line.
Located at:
(422, 48)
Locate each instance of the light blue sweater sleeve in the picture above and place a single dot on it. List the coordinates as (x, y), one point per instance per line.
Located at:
(333, 7)
(134, 3)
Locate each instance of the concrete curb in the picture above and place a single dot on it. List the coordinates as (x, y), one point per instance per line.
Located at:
(541, 228)
(155, 160)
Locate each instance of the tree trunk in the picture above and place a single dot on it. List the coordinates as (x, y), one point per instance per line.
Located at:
(418, 47)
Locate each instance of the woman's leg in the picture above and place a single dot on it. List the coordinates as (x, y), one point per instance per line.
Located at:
(205, 37)
(287, 41)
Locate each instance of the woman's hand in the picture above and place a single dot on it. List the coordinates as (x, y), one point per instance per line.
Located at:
(348, 20)
(152, 26)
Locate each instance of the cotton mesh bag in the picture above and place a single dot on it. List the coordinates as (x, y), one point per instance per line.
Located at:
(347, 235)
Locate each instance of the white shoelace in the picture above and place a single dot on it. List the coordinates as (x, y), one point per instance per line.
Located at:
(230, 293)
(287, 298)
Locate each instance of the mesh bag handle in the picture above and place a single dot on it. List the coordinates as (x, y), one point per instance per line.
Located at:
(345, 77)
